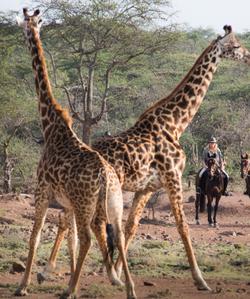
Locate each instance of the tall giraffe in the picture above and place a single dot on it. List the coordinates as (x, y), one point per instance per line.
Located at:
(148, 156)
(80, 179)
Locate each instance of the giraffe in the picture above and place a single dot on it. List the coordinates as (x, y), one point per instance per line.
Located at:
(80, 179)
(148, 156)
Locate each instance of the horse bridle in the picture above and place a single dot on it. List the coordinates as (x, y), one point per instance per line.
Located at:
(217, 170)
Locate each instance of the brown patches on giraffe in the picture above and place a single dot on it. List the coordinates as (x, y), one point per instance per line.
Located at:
(162, 162)
(79, 178)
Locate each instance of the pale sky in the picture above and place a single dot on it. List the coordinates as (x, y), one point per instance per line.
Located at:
(194, 13)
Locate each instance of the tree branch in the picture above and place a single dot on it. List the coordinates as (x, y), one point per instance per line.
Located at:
(96, 119)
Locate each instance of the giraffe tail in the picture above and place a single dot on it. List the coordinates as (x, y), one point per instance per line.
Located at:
(110, 240)
(110, 230)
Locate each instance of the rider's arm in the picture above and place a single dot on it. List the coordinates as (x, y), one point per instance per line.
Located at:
(221, 160)
(204, 157)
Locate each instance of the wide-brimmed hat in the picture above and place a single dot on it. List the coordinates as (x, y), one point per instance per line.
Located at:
(212, 140)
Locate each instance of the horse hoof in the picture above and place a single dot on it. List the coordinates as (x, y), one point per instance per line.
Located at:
(40, 278)
(210, 224)
(21, 292)
(197, 222)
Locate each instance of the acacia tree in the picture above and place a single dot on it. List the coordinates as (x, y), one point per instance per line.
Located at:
(8, 162)
(92, 39)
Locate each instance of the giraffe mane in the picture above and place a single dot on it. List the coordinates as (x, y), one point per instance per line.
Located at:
(183, 81)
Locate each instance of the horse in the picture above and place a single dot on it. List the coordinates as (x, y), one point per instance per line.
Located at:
(245, 171)
(214, 186)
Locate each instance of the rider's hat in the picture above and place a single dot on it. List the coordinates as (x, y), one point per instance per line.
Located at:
(212, 140)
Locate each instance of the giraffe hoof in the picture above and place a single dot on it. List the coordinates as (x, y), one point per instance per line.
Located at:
(20, 292)
(131, 294)
(66, 295)
(117, 282)
(202, 286)
(197, 222)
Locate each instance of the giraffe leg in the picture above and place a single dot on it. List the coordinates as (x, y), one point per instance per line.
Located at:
(84, 235)
(174, 189)
(139, 202)
(99, 228)
(66, 222)
(197, 206)
(121, 247)
(72, 240)
(41, 206)
(114, 232)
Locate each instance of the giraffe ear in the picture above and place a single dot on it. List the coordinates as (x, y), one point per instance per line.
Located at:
(228, 29)
(25, 11)
(36, 12)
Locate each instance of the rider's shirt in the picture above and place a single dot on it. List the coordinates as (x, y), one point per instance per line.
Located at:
(207, 152)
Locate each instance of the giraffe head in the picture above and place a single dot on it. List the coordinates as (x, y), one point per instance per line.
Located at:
(231, 47)
(29, 22)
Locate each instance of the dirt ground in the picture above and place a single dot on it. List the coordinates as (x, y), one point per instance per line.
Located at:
(234, 228)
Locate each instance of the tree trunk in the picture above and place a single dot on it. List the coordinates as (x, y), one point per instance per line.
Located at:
(86, 132)
(7, 170)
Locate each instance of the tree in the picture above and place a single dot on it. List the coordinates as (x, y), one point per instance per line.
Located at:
(95, 39)
(8, 163)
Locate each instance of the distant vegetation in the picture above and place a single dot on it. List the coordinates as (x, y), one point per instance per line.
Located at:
(110, 63)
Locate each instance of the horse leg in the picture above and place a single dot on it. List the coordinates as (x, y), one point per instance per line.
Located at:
(209, 209)
(202, 202)
(197, 206)
(215, 210)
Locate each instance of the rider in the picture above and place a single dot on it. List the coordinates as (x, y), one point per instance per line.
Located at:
(210, 149)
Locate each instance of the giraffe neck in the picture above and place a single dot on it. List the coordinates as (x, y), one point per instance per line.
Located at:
(175, 112)
(55, 120)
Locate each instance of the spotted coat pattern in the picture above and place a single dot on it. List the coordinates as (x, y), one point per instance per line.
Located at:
(77, 176)
(148, 156)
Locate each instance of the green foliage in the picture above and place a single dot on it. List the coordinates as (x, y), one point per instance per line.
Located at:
(133, 86)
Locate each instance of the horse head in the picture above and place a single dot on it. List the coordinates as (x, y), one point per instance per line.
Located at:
(244, 165)
(212, 165)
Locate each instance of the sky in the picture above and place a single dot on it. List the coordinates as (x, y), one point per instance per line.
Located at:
(194, 13)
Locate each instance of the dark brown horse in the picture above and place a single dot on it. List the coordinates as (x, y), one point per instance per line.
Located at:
(214, 186)
(245, 171)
